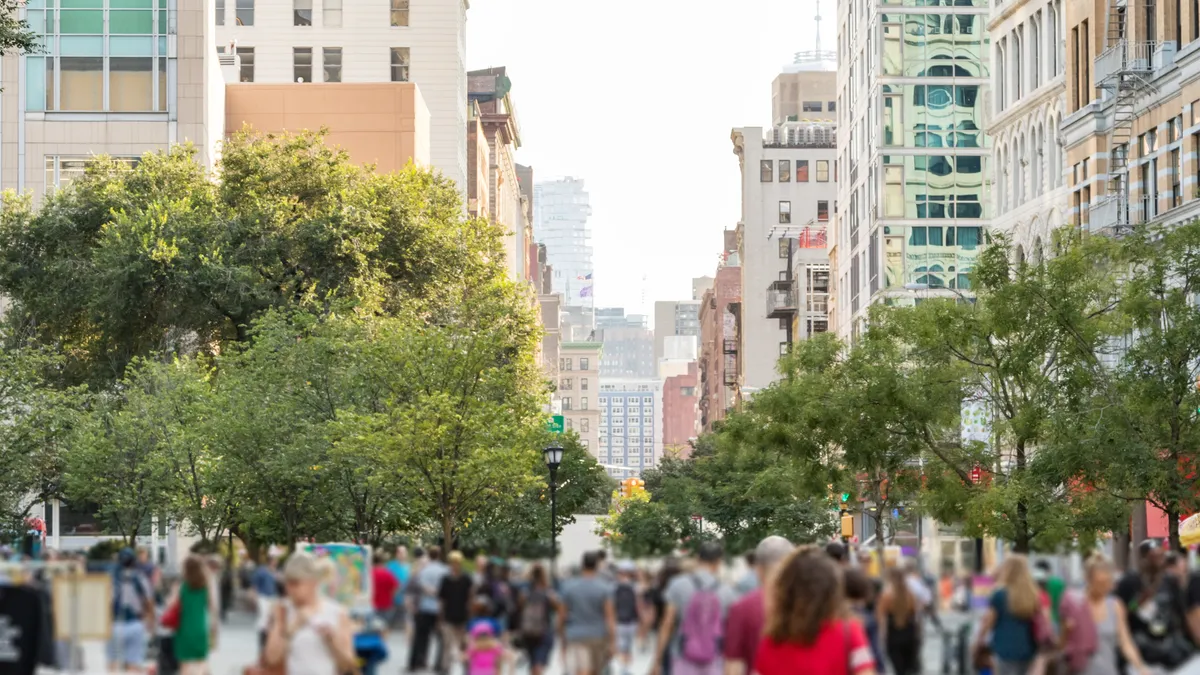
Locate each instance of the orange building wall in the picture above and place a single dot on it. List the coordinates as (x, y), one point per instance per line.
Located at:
(385, 124)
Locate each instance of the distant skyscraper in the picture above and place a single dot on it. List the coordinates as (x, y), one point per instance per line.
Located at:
(560, 216)
(628, 344)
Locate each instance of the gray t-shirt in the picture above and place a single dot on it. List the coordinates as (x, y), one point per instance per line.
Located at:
(584, 599)
(429, 581)
(683, 587)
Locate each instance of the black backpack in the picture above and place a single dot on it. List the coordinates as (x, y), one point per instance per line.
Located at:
(626, 601)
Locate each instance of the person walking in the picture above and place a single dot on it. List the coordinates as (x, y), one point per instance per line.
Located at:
(656, 601)
(400, 569)
(744, 624)
(693, 620)
(264, 585)
(806, 630)
(196, 632)
(587, 624)
(1094, 626)
(455, 598)
(626, 605)
(536, 636)
(309, 634)
(1015, 619)
(427, 585)
(861, 598)
(384, 589)
(897, 613)
(1155, 610)
(133, 615)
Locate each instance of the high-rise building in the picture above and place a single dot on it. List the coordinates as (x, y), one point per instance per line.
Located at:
(789, 186)
(628, 344)
(114, 78)
(421, 41)
(578, 395)
(1028, 99)
(914, 202)
(630, 425)
(797, 96)
(560, 221)
(674, 318)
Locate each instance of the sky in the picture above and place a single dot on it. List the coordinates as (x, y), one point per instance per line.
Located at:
(638, 99)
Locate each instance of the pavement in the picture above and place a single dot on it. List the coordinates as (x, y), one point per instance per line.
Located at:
(238, 647)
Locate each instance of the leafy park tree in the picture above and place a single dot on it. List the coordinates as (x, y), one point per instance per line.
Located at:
(640, 528)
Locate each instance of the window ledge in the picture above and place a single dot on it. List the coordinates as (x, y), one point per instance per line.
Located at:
(57, 116)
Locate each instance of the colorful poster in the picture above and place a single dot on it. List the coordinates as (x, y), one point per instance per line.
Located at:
(350, 583)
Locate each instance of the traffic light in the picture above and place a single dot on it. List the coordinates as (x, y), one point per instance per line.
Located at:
(845, 497)
(631, 486)
(847, 525)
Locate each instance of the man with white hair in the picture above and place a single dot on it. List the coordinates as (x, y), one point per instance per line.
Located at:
(744, 626)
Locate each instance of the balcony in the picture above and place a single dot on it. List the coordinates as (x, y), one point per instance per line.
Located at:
(729, 346)
(812, 236)
(1125, 57)
(781, 300)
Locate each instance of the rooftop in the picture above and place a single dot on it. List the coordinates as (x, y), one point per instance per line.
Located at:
(812, 61)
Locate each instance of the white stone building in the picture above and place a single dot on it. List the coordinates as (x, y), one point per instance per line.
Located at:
(421, 41)
(631, 419)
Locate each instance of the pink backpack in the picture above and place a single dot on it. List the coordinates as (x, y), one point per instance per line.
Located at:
(700, 631)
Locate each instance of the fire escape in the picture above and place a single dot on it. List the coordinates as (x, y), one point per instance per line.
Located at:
(1123, 72)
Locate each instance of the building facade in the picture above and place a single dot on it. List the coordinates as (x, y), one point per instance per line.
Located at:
(578, 394)
(1028, 99)
(789, 186)
(674, 318)
(628, 344)
(914, 202)
(421, 41)
(797, 95)
(630, 426)
(115, 78)
(681, 411)
(720, 316)
(560, 221)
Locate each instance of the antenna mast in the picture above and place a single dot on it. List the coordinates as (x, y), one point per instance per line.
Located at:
(818, 19)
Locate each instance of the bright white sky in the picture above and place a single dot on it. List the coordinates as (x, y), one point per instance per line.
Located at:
(638, 99)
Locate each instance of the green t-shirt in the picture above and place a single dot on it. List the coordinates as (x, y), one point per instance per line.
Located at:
(1055, 587)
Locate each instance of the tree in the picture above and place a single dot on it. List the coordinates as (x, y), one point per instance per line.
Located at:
(1027, 345)
(166, 256)
(640, 528)
(15, 34)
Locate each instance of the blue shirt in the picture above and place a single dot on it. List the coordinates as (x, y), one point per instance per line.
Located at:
(401, 572)
(263, 581)
(1012, 637)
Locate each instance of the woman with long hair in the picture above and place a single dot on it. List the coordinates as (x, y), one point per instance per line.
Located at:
(195, 634)
(898, 616)
(1095, 628)
(808, 628)
(309, 634)
(1014, 618)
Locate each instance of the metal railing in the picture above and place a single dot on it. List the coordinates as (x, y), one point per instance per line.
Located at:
(781, 299)
(1125, 57)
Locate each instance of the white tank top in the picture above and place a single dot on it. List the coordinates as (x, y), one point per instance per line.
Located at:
(307, 652)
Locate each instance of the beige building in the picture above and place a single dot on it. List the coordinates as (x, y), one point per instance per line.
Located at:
(385, 124)
(579, 390)
(805, 90)
(122, 81)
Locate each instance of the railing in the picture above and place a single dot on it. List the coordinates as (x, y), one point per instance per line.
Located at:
(812, 237)
(729, 346)
(1125, 57)
(1105, 214)
(781, 299)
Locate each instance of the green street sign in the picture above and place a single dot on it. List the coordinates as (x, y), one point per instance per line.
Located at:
(555, 425)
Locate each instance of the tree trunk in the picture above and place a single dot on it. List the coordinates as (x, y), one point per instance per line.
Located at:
(1137, 531)
(1121, 547)
(1173, 526)
(447, 533)
(1021, 536)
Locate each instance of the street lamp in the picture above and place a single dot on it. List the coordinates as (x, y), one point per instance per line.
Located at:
(553, 455)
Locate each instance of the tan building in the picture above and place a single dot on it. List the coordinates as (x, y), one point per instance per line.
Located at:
(154, 83)
(805, 90)
(1132, 95)
(385, 123)
(579, 390)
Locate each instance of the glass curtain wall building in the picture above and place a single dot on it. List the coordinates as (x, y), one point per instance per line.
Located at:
(915, 202)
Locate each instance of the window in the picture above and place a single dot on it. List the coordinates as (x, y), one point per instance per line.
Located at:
(331, 61)
(831, 106)
(220, 12)
(399, 12)
(331, 17)
(583, 364)
(570, 424)
(583, 403)
(802, 171)
(566, 403)
(61, 170)
(399, 64)
(785, 212)
(245, 14)
(567, 384)
(583, 384)
(647, 399)
(784, 347)
(586, 443)
(822, 210)
(584, 424)
(785, 170)
(247, 60)
(766, 169)
(647, 421)
(687, 391)
(785, 248)
(811, 106)
(302, 14)
(822, 171)
(302, 64)
(565, 364)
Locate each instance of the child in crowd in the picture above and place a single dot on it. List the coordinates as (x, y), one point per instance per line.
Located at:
(485, 655)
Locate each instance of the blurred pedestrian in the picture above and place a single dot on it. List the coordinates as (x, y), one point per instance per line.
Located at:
(455, 597)
(898, 613)
(587, 624)
(196, 632)
(860, 596)
(807, 632)
(656, 598)
(133, 615)
(1094, 626)
(264, 588)
(427, 584)
(538, 604)
(626, 606)
(309, 633)
(744, 625)
(694, 617)
(1155, 609)
(1015, 619)
(749, 581)
(384, 588)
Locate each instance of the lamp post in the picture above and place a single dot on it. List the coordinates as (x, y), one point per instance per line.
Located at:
(553, 455)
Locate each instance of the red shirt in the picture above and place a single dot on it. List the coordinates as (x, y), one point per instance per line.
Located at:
(839, 645)
(744, 628)
(383, 588)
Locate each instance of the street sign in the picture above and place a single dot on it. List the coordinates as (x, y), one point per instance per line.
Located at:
(555, 425)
